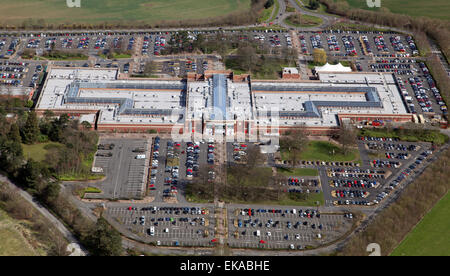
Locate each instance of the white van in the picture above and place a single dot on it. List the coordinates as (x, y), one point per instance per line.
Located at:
(258, 233)
(152, 230)
(141, 156)
(294, 211)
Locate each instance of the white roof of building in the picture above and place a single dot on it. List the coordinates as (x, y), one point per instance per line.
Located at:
(332, 68)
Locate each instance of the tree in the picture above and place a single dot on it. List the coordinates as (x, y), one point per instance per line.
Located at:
(313, 4)
(295, 142)
(29, 175)
(11, 154)
(30, 131)
(104, 240)
(86, 125)
(268, 4)
(247, 57)
(150, 68)
(319, 56)
(14, 133)
(202, 185)
(254, 157)
(50, 192)
(346, 137)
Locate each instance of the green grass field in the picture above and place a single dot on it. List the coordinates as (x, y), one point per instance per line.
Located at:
(12, 242)
(266, 13)
(99, 11)
(324, 151)
(37, 152)
(439, 9)
(306, 21)
(431, 237)
(298, 172)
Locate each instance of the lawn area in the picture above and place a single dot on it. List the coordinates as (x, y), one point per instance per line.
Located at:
(116, 11)
(116, 56)
(439, 9)
(37, 152)
(323, 151)
(298, 172)
(303, 20)
(266, 13)
(275, 12)
(82, 192)
(79, 177)
(311, 200)
(57, 55)
(12, 242)
(431, 237)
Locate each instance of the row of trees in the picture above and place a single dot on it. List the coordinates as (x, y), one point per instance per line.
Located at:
(440, 76)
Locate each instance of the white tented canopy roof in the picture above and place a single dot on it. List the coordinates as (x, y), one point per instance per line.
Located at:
(332, 68)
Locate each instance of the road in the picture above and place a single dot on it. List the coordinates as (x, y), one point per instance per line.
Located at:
(56, 223)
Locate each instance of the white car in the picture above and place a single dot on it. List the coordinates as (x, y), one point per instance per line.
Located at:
(269, 234)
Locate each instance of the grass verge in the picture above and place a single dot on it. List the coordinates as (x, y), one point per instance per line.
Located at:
(431, 237)
(409, 135)
(13, 243)
(298, 172)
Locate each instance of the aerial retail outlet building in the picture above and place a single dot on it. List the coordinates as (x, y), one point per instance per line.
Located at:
(219, 102)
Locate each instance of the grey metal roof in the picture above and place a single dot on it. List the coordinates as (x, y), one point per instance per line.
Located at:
(219, 97)
(287, 88)
(311, 107)
(125, 104)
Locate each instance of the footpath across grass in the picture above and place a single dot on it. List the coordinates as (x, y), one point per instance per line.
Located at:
(431, 237)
